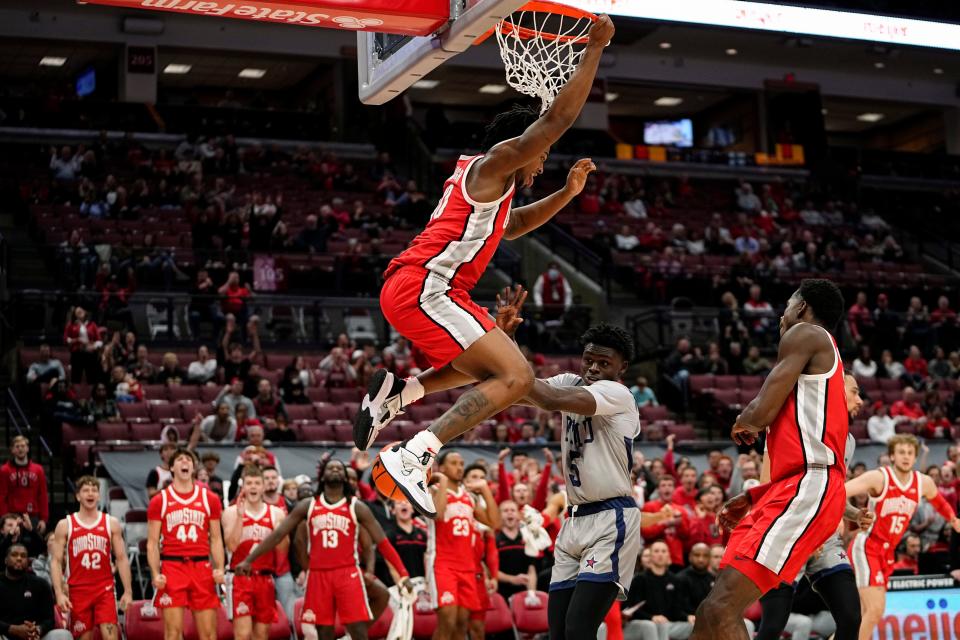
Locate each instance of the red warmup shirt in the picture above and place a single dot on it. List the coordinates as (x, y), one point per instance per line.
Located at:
(234, 299)
(23, 489)
(916, 366)
(674, 535)
(704, 528)
(905, 564)
(913, 411)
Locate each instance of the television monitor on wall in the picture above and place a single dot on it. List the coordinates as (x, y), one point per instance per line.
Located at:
(676, 133)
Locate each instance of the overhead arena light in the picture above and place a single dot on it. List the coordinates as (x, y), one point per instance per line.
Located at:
(668, 101)
(494, 89)
(870, 117)
(611, 96)
(52, 61)
(665, 45)
(250, 72)
(426, 84)
(177, 69)
(732, 52)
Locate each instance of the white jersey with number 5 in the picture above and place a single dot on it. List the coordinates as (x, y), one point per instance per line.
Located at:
(597, 450)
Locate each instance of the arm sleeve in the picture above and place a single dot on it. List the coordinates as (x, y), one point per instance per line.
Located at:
(492, 556)
(540, 497)
(612, 398)
(503, 485)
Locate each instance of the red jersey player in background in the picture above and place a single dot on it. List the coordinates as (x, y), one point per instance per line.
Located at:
(451, 568)
(23, 486)
(88, 538)
(336, 584)
(894, 492)
(183, 532)
(803, 406)
(425, 294)
(245, 524)
(486, 556)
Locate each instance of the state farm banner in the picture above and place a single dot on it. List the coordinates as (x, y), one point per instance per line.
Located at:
(411, 18)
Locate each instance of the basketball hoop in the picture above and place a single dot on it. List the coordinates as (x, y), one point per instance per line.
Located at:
(541, 44)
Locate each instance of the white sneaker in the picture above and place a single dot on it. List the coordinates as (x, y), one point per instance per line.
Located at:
(409, 471)
(381, 405)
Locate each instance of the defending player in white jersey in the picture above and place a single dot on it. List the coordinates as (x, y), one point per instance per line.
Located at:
(86, 539)
(245, 524)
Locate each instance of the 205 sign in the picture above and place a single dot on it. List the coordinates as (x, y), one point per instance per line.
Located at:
(141, 60)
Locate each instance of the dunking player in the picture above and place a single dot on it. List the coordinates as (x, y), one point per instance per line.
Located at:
(828, 570)
(89, 537)
(598, 544)
(335, 580)
(425, 295)
(803, 406)
(894, 494)
(451, 566)
(183, 533)
(245, 524)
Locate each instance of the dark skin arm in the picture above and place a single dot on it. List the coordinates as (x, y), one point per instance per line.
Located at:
(278, 535)
(570, 399)
(523, 220)
(803, 349)
(491, 176)
(368, 522)
(367, 551)
(300, 544)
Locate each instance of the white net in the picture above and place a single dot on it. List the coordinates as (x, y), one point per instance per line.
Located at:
(541, 49)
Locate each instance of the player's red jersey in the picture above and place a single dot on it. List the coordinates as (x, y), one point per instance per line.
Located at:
(184, 520)
(811, 428)
(894, 508)
(462, 234)
(88, 552)
(333, 535)
(255, 529)
(451, 538)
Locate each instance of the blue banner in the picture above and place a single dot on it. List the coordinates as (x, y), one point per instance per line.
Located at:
(919, 612)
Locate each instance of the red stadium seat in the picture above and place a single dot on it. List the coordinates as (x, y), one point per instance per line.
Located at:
(318, 394)
(342, 430)
(651, 413)
(726, 397)
(906, 426)
(682, 431)
(381, 626)
(390, 433)
(280, 630)
(529, 618)
(654, 432)
(423, 412)
(701, 382)
(313, 432)
(499, 617)
(300, 412)
(145, 431)
(424, 619)
(160, 411)
(155, 391)
(888, 384)
(112, 431)
(143, 627)
(858, 429)
(130, 410)
(184, 392)
(209, 393)
(726, 382)
(350, 394)
(328, 411)
(752, 383)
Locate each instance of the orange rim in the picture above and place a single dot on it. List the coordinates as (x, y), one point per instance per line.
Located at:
(542, 6)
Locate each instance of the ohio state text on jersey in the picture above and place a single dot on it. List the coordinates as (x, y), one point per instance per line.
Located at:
(333, 533)
(255, 528)
(88, 551)
(185, 520)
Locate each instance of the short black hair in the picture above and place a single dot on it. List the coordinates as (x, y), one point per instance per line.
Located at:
(442, 458)
(475, 465)
(824, 298)
(606, 335)
(509, 124)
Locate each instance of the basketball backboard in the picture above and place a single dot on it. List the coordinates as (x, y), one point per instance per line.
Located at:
(389, 64)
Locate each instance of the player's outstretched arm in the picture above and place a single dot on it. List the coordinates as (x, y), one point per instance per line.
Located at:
(278, 535)
(567, 398)
(153, 554)
(523, 220)
(928, 488)
(56, 566)
(503, 160)
(123, 562)
(216, 550)
(797, 347)
(369, 523)
(870, 483)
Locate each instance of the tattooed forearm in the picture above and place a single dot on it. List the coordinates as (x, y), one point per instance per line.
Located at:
(468, 411)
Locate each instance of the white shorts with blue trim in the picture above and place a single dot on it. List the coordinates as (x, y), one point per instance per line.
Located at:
(599, 542)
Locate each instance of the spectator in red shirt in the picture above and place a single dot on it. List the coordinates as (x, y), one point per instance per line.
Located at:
(675, 531)
(937, 426)
(686, 494)
(84, 338)
(23, 486)
(916, 366)
(703, 524)
(235, 297)
(907, 556)
(724, 471)
(907, 407)
(860, 319)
